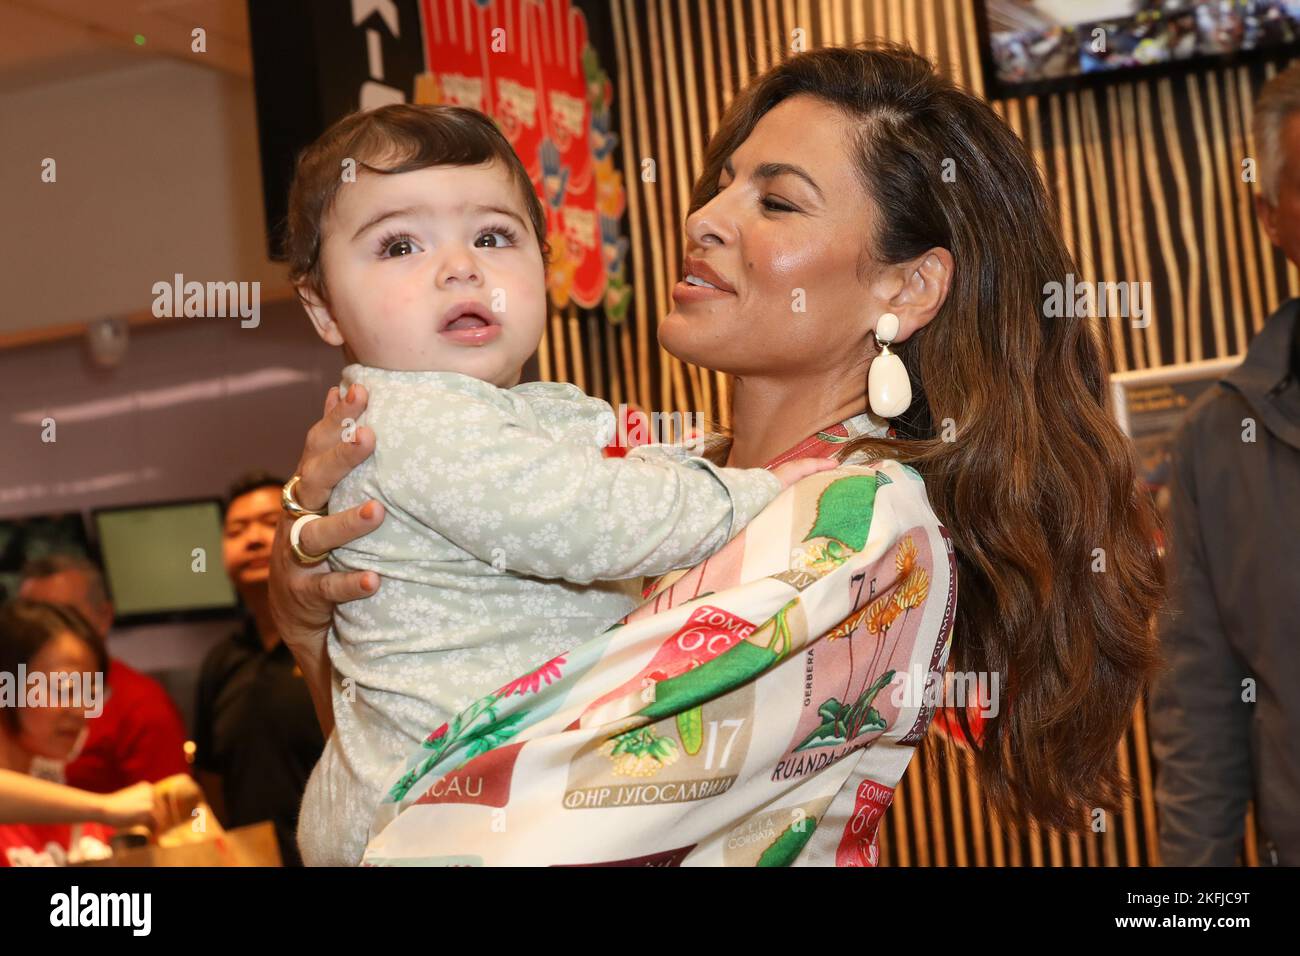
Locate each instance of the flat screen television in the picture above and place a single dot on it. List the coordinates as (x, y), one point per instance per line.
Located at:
(163, 561)
(1038, 46)
(37, 536)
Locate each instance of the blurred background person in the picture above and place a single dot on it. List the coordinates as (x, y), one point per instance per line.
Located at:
(140, 735)
(256, 732)
(38, 638)
(1225, 722)
(28, 800)
(40, 820)
(45, 824)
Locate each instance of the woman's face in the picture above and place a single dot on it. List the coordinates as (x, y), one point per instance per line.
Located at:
(785, 232)
(52, 731)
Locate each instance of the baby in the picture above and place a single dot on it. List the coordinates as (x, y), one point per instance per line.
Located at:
(416, 242)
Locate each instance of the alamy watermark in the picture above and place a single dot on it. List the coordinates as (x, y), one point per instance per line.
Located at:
(210, 300)
(632, 427)
(967, 690)
(75, 689)
(1073, 299)
(130, 910)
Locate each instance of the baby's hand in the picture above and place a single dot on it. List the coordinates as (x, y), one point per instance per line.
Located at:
(791, 471)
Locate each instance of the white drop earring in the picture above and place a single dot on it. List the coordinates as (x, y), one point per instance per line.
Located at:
(888, 388)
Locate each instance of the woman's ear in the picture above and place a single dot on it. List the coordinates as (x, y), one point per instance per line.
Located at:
(924, 287)
(1267, 214)
(319, 313)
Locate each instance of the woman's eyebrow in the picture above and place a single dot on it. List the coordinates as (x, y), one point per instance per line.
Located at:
(772, 170)
(410, 210)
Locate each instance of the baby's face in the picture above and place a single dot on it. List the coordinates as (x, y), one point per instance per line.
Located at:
(404, 254)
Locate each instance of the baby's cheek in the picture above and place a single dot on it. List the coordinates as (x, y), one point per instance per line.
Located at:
(530, 291)
(526, 304)
(392, 319)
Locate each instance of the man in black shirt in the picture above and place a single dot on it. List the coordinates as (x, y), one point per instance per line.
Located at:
(256, 734)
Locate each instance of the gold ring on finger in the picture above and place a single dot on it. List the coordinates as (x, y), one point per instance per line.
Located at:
(289, 500)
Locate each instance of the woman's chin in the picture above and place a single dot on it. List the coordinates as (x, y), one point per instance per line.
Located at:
(678, 338)
(699, 343)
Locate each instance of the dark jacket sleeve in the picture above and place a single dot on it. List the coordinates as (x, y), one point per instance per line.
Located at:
(1200, 726)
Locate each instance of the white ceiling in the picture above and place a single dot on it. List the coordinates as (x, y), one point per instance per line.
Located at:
(43, 41)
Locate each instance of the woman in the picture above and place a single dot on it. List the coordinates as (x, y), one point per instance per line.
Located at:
(822, 207)
(50, 645)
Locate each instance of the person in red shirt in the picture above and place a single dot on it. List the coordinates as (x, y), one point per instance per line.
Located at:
(45, 824)
(140, 735)
(51, 644)
(51, 687)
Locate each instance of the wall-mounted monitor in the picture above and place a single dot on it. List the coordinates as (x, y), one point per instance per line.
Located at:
(163, 561)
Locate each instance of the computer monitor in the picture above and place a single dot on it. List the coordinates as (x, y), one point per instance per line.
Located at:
(163, 561)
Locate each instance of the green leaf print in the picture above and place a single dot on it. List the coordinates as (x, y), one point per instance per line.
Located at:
(469, 732)
(786, 847)
(733, 667)
(640, 752)
(841, 724)
(832, 731)
(690, 727)
(844, 511)
(711, 679)
(493, 735)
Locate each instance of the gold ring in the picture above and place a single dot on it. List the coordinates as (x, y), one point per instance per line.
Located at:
(295, 532)
(289, 501)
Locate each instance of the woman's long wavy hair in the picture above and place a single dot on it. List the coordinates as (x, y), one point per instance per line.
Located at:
(1010, 426)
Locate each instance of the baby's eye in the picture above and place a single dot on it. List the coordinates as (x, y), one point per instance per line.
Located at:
(394, 247)
(502, 238)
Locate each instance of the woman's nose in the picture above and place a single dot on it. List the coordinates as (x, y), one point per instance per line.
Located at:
(710, 225)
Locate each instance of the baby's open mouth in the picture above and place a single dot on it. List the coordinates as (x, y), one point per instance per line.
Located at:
(469, 323)
(466, 322)
(466, 314)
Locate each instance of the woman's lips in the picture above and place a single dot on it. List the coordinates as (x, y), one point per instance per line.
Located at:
(684, 292)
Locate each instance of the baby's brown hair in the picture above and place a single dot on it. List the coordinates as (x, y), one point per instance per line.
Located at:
(397, 138)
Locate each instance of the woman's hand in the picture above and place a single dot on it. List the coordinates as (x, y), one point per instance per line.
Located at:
(137, 805)
(178, 795)
(303, 598)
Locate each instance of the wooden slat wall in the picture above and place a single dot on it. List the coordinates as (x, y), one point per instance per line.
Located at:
(1147, 178)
